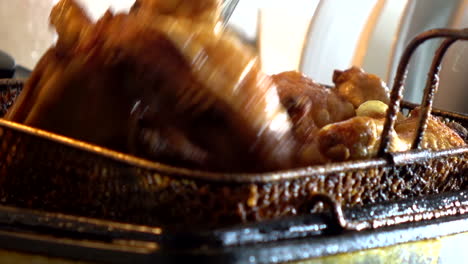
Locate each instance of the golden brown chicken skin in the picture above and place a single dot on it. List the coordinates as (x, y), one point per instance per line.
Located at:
(311, 106)
(359, 87)
(438, 135)
(359, 137)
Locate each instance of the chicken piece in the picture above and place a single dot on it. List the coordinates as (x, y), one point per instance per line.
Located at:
(125, 80)
(359, 137)
(311, 106)
(358, 87)
(438, 135)
(355, 138)
(459, 129)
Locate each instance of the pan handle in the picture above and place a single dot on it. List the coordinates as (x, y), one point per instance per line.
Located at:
(431, 85)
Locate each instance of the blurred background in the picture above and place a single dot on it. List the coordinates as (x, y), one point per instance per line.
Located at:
(312, 36)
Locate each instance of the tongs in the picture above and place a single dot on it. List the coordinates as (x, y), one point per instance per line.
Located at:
(227, 9)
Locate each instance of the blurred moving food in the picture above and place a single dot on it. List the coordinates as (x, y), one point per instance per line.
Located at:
(124, 81)
(167, 83)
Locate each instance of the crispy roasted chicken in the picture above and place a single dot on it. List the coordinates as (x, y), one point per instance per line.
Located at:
(359, 87)
(166, 82)
(359, 137)
(310, 106)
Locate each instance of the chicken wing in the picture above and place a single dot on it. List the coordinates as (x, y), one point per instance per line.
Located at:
(358, 86)
(311, 106)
